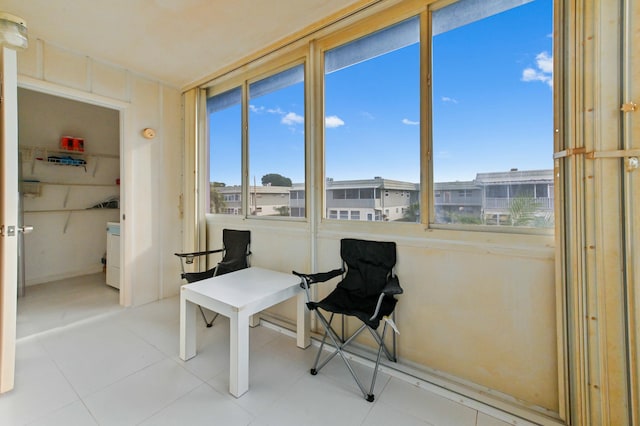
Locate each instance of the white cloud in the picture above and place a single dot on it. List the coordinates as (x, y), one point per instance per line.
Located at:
(545, 62)
(288, 118)
(544, 71)
(333, 121)
(292, 118)
(448, 99)
(276, 111)
(409, 122)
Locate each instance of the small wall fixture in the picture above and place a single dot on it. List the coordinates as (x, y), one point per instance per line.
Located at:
(13, 31)
(149, 133)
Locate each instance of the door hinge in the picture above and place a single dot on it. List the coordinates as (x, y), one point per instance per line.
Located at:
(629, 107)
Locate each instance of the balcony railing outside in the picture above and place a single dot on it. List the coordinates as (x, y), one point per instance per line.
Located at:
(505, 203)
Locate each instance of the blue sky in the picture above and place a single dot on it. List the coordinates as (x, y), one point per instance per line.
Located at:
(492, 110)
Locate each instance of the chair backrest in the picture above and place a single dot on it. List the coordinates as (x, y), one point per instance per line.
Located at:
(236, 246)
(369, 265)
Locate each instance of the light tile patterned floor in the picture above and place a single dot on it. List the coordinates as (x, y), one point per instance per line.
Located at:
(121, 367)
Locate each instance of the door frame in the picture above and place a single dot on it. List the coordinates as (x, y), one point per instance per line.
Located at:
(126, 296)
(8, 288)
(8, 215)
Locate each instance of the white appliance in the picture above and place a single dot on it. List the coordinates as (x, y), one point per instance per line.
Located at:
(113, 254)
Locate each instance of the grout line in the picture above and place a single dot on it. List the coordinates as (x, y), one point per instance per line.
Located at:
(70, 325)
(419, 383)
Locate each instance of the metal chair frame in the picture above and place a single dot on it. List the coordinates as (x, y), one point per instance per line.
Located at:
(332, 338)
(188, 259)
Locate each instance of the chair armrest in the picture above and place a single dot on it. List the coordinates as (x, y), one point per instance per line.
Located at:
(392, 287)
(198, 253)
(231, 263)
(320, 276)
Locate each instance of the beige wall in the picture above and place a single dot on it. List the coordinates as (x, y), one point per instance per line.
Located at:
(478, 308)
(151, 170)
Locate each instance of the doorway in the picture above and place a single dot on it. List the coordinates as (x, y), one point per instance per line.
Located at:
(70, 190)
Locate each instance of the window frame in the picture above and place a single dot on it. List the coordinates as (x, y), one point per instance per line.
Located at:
(427, 63)
(363, 28)
(309, 51)
(243, 78)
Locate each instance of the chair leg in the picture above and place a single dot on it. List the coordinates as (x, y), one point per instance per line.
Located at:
(380, 341)
(338, 345)
(314, 369)
(209, 323)
(375, 370)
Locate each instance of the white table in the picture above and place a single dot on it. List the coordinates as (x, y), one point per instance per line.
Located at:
(238, 295)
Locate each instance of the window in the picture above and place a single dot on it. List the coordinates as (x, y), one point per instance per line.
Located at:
(352, 194)
(366, 194)
(276, 140)
(372, 113)
(492, 110)
(225, 148)
(489, 134)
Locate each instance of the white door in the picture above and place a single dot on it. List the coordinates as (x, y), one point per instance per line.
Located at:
(8, 215)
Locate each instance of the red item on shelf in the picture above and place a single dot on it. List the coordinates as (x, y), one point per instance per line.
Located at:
(71, 143)
(66, 143)
(78, 144)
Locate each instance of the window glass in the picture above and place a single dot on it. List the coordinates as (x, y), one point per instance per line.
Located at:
(492, 112)
(366, 193)
(372, 128)
(276, 143)
(225, 152)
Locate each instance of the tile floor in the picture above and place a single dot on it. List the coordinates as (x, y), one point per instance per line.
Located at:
(121, 367)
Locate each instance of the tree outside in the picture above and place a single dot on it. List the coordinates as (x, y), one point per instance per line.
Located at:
(217, 203)
(275, 179)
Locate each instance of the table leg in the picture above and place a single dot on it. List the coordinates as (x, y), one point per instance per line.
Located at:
(239, 354)
(303, 328)
(254, 320)
(187, 328)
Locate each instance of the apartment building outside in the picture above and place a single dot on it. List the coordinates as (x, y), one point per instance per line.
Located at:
(498, 198)
(495, 198)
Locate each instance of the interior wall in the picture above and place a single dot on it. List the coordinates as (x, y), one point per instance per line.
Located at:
(150, 169)
(478, 313)
(66, 243)
(478, 309)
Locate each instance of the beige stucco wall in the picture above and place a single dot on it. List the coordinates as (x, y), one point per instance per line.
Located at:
(478, 308)
(151, 170)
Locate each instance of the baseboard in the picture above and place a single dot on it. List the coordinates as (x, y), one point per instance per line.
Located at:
(94, 269)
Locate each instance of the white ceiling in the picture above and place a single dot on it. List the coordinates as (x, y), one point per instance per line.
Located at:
(176, 41)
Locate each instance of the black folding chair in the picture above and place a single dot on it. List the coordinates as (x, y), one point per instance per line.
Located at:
(367, 291)
(235, 256)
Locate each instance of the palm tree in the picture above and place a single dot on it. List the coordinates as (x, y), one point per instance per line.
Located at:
(412, 213)
(216, 198)
(522, 211)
